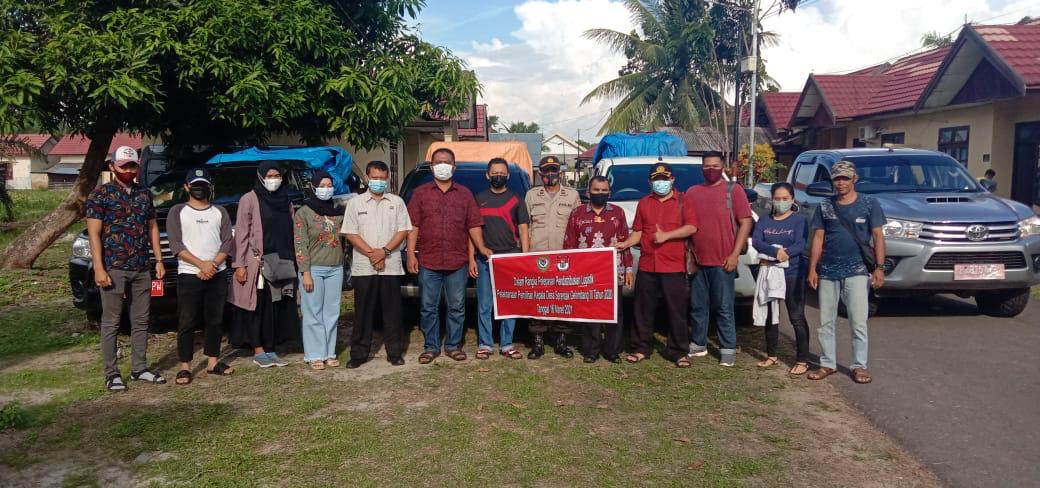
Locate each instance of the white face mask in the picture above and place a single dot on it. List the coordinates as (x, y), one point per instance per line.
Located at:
(443, 171)
(324, 193)
(272, 184)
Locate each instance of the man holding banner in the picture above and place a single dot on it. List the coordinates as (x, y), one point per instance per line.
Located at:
(596, 225)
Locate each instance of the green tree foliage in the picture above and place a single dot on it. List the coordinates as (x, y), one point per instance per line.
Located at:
(523, 128)
(934, 39)
(218, 72)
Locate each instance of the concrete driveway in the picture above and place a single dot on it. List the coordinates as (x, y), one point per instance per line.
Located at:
(958, 389)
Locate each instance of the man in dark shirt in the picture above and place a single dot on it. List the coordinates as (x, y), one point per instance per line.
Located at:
(444, 219)
(121, 227)
(505, 231)
(600, 224)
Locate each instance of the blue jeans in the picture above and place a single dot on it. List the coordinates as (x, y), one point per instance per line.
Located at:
(453, 285)
(711, 296)
(854, 291)
(485, 313)
(321, 312)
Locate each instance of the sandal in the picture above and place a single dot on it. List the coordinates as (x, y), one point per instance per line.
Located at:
(115, 383)
(682, 362)
(148, 377)
(481, 354)
(635, 358)
(456, 354)
(861, 376)
(513, 354)
(318, 365)
(332, 363)
(767, 362)
(221, 369)
(798, 369)
(821, 373)
(427, 357)
(183, 377)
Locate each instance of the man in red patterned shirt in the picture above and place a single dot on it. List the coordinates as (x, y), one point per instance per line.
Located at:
(600, 224)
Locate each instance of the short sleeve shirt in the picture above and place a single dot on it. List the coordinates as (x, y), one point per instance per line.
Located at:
(502, 214)
(376, 220)
(124, 215)
(444, 219)
(651, 214)
(715, 237)
(841, 257)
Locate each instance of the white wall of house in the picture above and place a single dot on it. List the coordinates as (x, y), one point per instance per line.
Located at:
(21, 179)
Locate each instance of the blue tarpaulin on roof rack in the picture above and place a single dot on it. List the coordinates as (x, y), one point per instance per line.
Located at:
(334, 159)
(620, 144)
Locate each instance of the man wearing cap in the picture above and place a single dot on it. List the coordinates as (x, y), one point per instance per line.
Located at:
(724, 216)
(549, 207)
(200, 237)
(847, 247)
(661, 228)
(121, 227)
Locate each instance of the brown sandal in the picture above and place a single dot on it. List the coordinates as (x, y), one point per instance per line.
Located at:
(635, 358)
(798, 369)
(682, 362)
(513, 354)
(821, 373)
(427, 357)
(861, 376)
(456, 354)
(481, 354)
(767, 362)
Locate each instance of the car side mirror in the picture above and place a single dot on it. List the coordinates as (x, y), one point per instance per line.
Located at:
(752, 195)
(820, 189)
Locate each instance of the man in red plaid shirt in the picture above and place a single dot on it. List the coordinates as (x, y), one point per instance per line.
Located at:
(600, 224)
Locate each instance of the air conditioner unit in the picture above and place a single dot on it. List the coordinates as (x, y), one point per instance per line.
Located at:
(867, 133)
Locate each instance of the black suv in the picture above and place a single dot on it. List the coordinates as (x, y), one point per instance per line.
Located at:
(230, 182)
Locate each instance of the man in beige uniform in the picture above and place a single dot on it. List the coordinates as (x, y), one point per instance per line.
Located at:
(549, 207)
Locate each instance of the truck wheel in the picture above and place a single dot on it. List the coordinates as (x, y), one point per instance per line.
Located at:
(1003, 303)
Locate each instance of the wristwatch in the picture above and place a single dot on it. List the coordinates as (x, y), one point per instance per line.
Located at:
(387, 251)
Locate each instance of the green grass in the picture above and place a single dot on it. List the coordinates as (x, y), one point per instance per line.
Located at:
(33, 330)
(1035, 292)
(29, 206)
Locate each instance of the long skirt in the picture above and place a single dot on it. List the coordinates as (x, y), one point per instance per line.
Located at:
(272, 323)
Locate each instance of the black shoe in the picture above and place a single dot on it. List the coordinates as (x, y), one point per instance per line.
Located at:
(562, 349)
(589, 359)
(355, 363)
(613, 359)
(538, 350)
(397, 361)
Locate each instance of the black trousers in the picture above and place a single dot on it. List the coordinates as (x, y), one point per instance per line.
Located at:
(377, 294)
(603, 338)
(795, 303)
(544, 326)
(672, 288)
(196, 297)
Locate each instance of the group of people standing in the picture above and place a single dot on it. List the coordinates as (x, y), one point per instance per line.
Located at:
(690, 245)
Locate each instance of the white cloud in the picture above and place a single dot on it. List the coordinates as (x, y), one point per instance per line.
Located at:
(843, 35)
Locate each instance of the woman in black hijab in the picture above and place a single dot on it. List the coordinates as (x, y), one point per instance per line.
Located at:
(264, 289)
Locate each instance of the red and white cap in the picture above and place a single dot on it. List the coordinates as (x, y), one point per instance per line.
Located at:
(123, 155)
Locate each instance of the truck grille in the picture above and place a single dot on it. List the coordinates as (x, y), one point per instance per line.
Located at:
(969, 233)
(944, 261)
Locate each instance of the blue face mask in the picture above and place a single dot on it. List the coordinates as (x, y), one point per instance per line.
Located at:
(377, 186)
(661, 187)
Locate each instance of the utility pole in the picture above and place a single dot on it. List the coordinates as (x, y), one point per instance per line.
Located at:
(736, 109)
(753, 65)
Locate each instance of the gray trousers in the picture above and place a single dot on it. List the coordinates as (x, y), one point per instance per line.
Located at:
(138, 288)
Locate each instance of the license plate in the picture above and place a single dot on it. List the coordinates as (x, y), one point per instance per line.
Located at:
(158, 288)
(978, 272)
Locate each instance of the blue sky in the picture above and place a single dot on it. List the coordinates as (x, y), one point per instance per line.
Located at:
(535, 65)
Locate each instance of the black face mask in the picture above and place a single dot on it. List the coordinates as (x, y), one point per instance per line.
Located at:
(599, 199)
(550, 179)
(199, 192)
(499, 181)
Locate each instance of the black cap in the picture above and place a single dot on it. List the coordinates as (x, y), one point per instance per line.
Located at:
(198, 174)
(548, 163)
(660, 169)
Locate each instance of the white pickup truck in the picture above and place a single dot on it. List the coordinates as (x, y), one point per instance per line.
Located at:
(629, 183)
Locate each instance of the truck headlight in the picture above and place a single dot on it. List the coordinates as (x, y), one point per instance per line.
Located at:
(904, 229)
(1029, 227)
(81, 247)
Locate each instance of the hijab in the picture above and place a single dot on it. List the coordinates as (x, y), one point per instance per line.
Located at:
(275, 217)
(326, 208)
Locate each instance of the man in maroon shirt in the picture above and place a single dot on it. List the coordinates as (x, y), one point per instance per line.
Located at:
(724, 215)
(600, 224)
(444, 219)
(661, 228)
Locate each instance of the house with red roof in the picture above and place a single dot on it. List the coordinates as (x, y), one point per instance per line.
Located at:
(66, 159)
(19, 154)
(977, 100)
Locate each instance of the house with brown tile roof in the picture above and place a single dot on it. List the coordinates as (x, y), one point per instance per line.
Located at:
(20, 154)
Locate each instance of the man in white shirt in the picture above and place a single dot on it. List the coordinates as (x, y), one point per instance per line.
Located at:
(200, 237)
(376, 224)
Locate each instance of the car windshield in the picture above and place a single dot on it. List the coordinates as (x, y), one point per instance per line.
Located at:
(229, 184)
(471, 178)
(912, 173)
(628, 182)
